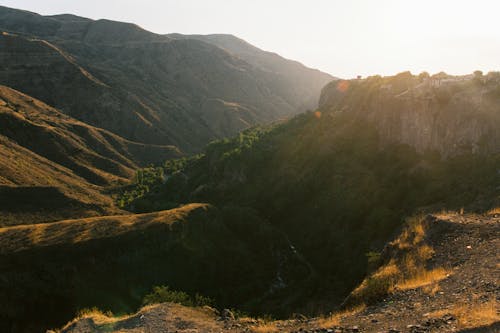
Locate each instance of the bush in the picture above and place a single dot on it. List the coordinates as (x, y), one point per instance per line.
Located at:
(373, 260)
(375, 289)
(162, 294)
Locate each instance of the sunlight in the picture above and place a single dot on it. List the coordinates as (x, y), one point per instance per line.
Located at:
(344, 38)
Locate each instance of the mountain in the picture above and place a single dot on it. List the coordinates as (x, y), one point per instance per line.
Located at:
(337, 185)
(295, 217)
(292, 79)
(147, 87)
(53, 166)
(323, 211)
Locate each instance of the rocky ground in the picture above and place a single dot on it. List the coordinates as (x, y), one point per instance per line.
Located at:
(466, 300)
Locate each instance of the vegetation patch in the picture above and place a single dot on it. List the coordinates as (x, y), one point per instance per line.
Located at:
(335, 319)
(472, 315)
(162, 294)
(406, 268)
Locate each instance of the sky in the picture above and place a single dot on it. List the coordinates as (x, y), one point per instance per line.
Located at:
(345, 38)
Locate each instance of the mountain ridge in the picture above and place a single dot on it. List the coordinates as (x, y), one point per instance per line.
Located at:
(47, 148)
(162, 88)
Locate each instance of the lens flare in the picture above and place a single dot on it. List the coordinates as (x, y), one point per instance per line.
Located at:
(343, 85)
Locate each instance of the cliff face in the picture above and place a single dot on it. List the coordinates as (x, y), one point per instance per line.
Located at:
(451, 116)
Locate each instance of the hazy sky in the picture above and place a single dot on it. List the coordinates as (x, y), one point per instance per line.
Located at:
(344, 38)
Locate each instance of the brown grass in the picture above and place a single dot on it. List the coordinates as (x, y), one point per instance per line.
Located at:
(14, 239)
(335, 319)
(472, 315)
(98, 317)
(412, 234)
(431, 289)
(264, 328)
(422, 278)
(494, 211)
(407, 270)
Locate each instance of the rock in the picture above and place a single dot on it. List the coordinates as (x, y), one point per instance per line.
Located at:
(227, 315)
(449, 317)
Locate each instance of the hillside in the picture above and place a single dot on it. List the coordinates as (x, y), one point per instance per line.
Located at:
(450, 288)
(53, 166)
(50, 271)
(332, 183)
(294, 80)
(146, 87)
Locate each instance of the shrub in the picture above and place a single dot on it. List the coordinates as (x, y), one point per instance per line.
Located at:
(373, 260)
(162, 294)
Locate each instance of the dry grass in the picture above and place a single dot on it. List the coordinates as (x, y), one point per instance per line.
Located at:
(422, 278)
(386, 271)
(431, 289)
(335, 319)
(97, 315)
(425, 252)
(14, 239)
(264, 328)
(472, 315)
(407, 270)
(412, 235)
(494, 211)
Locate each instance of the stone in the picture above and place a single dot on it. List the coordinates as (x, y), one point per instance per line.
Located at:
(227, 315)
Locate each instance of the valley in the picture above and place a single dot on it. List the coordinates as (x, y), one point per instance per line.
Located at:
(457, 300)
(196, 183)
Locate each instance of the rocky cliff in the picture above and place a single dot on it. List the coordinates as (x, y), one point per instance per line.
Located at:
(452, 115)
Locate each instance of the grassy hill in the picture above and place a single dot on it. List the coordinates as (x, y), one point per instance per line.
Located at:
(53, 166)
(147, 87)
(49, 271)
